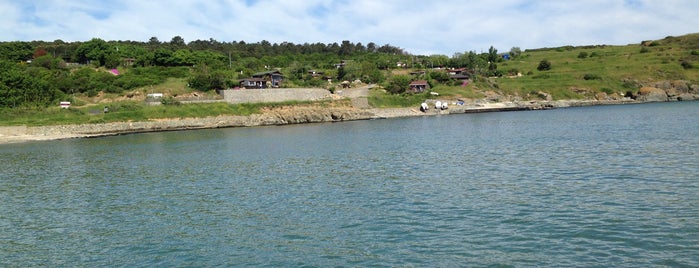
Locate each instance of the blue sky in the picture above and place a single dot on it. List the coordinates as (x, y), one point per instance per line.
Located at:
(419, 27)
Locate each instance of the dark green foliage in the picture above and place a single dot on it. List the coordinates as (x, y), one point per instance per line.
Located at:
(16, 51)
(644, 50)
(694, 53)
(398, 84)
(592, 77)
(206, 79)
(686, 64)
(439, 76)
(544, 65)
(18, 87)
(582, 55)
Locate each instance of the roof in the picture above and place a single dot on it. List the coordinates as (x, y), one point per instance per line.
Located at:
(418, 83)
(253, 79)
(266, 73)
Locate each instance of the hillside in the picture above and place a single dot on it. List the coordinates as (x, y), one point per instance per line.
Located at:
(590, 72)
(648, 71)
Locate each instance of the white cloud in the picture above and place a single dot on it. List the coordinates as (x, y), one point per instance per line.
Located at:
(419, 27)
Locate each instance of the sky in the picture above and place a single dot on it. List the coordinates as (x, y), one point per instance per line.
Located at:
(424, 27)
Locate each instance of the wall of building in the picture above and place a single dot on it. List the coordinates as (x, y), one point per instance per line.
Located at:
(275, 95)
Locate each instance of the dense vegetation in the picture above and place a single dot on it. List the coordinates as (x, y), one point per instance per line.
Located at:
(39, 73)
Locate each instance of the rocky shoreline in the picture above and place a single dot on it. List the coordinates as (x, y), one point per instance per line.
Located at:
(277, 116)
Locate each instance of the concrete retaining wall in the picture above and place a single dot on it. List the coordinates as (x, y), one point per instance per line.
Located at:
(275, 95)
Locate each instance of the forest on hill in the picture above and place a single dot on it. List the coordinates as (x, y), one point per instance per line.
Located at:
(41, 73)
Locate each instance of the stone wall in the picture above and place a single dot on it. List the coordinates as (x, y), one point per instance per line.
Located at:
(275, 95)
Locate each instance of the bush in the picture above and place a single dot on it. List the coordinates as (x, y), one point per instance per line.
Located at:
(582, 55)
(169, 101)
(645, 50)
(398, 84)
(686, 64)
(694, 52)
(592, 77)
(544, 65)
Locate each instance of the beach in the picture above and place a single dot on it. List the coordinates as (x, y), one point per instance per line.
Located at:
(276, 116)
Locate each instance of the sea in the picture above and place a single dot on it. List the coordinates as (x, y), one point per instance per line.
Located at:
(602, 186)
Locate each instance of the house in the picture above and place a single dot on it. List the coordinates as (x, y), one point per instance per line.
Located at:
(263, 80)
(253, 83)
(460, 73)
(419, 86)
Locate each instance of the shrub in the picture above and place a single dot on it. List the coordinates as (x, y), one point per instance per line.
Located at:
(582, 55)
(592, 77)
(694, 52)
(169, 101)
(645, 50)
(544, 65)
(686, 64)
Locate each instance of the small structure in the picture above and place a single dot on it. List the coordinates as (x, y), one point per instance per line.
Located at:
(154, 95)
(253, 83)
(314, 73)
(65, 104)
(460, 73)
(419, 86)
(263, 80)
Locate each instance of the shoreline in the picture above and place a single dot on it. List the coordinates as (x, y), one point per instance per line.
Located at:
(285, 116)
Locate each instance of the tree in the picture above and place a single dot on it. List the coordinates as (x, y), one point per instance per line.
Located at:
(18, 87)
(515, 52)
(177, 42)
(398, 84)
(94, 51)
(492, 59)
(544, 65)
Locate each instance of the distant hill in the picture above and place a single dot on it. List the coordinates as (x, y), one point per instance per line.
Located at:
(599, 71)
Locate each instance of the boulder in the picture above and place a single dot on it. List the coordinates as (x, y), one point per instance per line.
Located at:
(665, 85)
(681, 86)
(651, 94)
(544, 95)
(686, 97)
(601, 96)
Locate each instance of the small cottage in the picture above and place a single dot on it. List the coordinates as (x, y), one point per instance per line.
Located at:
(419, 86)
(263, 80)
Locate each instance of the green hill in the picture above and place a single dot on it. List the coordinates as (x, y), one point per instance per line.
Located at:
(585, 71)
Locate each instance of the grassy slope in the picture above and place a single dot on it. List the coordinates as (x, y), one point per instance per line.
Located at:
(612, 64)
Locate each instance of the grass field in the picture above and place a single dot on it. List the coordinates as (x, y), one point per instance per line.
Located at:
(608, 68)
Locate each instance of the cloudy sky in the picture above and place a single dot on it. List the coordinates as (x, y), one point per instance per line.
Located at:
(419, 27)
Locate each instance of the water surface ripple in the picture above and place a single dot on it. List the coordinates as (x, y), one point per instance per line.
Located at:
(612, 186)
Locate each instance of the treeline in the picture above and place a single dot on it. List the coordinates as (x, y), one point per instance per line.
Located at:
(177, 52)
(39, 73)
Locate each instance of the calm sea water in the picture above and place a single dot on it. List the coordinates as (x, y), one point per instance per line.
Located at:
(610, 186)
